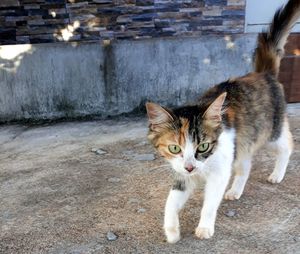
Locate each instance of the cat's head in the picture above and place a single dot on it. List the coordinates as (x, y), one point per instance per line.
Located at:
(187, 136)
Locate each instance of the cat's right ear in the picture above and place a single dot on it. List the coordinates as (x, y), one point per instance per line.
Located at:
(158, 116)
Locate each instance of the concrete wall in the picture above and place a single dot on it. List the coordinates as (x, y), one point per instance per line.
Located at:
(49, 81)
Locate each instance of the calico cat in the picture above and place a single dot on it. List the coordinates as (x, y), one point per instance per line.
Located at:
(223, 130)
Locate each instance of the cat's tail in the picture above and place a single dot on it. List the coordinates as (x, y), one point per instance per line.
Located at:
(270, 45)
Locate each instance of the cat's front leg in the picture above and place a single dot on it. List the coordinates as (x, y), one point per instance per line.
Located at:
(214, 191)
(178, 196)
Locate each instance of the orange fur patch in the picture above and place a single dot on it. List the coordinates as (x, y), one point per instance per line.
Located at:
(184, 130)
(231, 114)
(173, 138)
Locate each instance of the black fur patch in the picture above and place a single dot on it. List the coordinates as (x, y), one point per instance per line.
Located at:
(179, 185)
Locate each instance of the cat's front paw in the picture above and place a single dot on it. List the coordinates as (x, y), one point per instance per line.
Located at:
(232, 195)
(275, 178)
(173, 234)
(204, 233)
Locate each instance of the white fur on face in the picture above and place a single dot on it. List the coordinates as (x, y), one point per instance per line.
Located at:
(178, 163)
(188, 158)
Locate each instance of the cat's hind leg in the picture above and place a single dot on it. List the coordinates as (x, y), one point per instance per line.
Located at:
(241, 168)
(283, 148)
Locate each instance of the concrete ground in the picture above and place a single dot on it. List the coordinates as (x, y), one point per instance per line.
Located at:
(59, 194)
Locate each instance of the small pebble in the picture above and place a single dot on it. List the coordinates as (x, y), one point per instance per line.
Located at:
(100, 152)
(144, 157)
(111, 236)
(230, 213)
(141, 210)
(114, 179)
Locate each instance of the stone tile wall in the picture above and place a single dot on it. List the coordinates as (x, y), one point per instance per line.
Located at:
(41, 21)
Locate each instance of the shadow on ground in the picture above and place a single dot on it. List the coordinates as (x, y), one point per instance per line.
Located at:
(57, 196)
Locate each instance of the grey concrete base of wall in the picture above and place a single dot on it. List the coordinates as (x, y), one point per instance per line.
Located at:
(51, 81)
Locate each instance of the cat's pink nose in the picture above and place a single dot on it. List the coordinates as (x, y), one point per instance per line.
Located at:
(189, 167)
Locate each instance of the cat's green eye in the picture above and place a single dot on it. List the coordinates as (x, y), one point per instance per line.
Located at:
(175, 149)
(202, 148)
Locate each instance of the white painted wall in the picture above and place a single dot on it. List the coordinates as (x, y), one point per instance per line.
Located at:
(259, 14)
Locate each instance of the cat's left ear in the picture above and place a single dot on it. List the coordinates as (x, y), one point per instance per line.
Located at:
(213, 115)
(158, 116)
